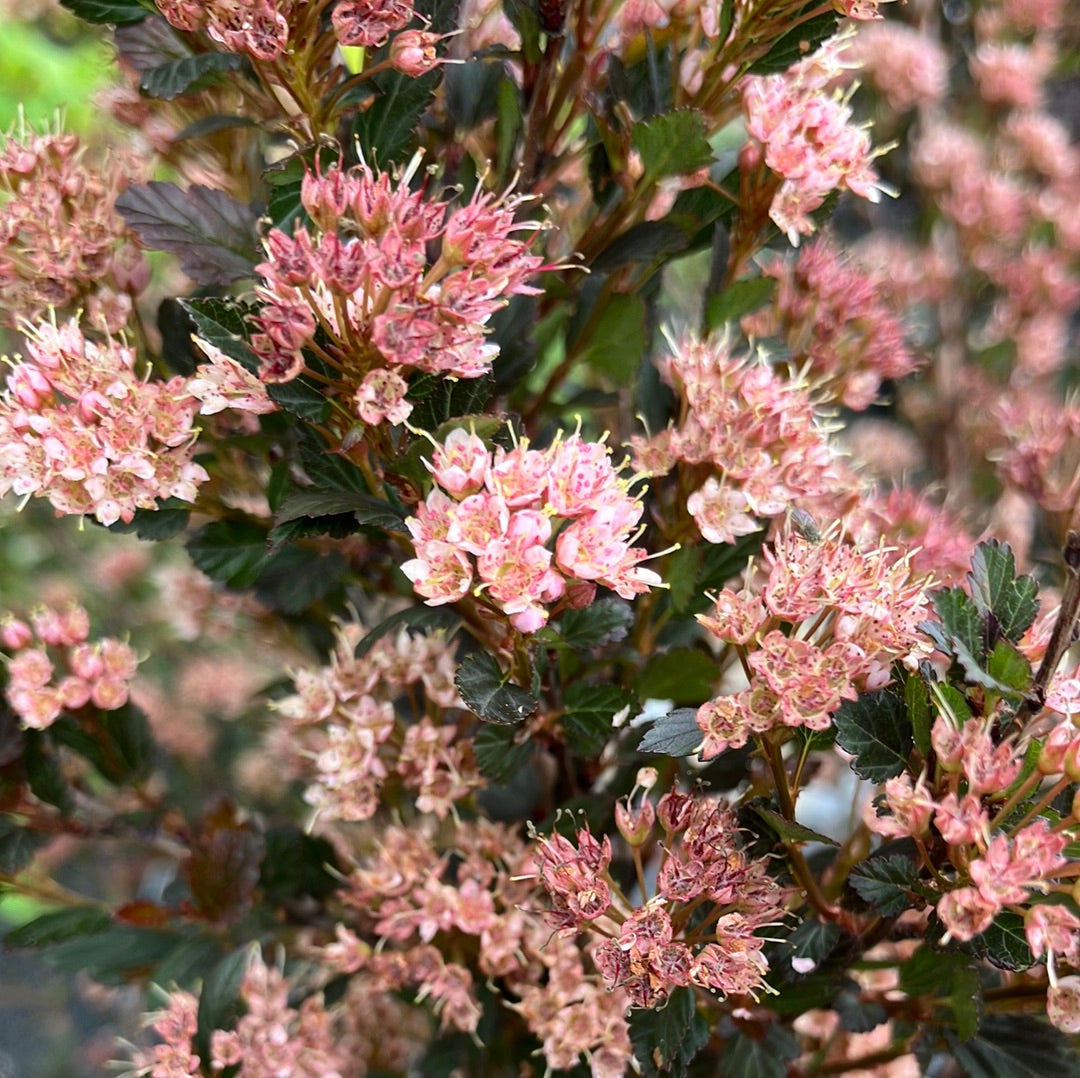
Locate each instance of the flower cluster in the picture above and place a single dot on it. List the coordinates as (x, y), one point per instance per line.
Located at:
(259, 28)
(343, 723)
(999, 856)
(651, 949)
(823, 621)
(801, 129)
(745, 421)
(430, 897)
(80, 427)
(55, 667)
(395, 279)
(536, 527)
(839, 330)
(62, 243)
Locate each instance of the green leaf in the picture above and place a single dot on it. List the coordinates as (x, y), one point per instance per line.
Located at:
(209, 231)
(950, 979)
(684, 675)
(589, 711)
(224, 324)
(950, 701)
(738, 299)
(119, 746)
(607, 621)
(17, 845)
(294, 579)
(488, 692)
(790, 830)
(1016, 1046)
(995, 587)
(437, 400)
(231, 552)
(796, 44)
(961, 621)
(726, 560)
(665, 1041)
(681, 571)
(328, 470)
(386, 129)
(47, 783)
(885, 883)
(1004, 943)
(750, 1057)
(674, 734)
(115, 955)
(116, 12)
(59, 925)
(917, 702)
(297, 865)
(186, 964)
(302, 397)
(219, 1001)
(523, 16)
(651, 242)
(616, 341)
(856, 1015)
(320, 503)
(156, 525)
(170, 80)
(1009, 668)
(498, 755)
(814, 939)
(672, 145)
(414, 617)
(875, 730)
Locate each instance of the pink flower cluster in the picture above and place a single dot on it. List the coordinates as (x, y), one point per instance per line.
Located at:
(824, 621)
(998, 864)
(395, 279)
(838, 328)
(259, 28)
(910, 68)
(54, 667)
(343, 725)
(743, 420)
(535, 527)
(270, 1039)
(473, 895)
(61, 241)
(801, 128)
(78, 426)
(650, 949)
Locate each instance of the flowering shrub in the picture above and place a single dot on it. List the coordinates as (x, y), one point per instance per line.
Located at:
(598, 610)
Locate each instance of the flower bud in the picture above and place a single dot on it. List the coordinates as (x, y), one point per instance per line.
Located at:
(16, 634)
(412, 52)
(674, 811)
(635, 825)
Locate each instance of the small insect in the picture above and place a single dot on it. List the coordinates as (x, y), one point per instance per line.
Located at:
(804, 525)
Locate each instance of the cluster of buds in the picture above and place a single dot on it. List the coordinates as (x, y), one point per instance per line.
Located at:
(54, 667)
(825, 621)
(78, 426)
(535, 527)
(395, 280)
(666, 943)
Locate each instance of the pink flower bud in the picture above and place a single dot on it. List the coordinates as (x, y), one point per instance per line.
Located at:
(412, 52)
(109, 693)
(29, 386)
(73, 692)
(16, 634)
(86, 662)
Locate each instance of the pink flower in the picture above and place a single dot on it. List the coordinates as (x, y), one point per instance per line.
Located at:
(381, 398)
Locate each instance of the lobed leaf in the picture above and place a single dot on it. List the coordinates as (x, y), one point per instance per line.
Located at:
(489, 693)
(210, 232)
(766, 1056)
(607, 621)
(673, 144)
(876, 731)
(885, 882)
(175, 77)
(114, 12)
(1017, 1046)
(665, 1041)
(589, 711)
(674, 734)
(224, 324)
(995, 588)
(683, 675)
(498, 755)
